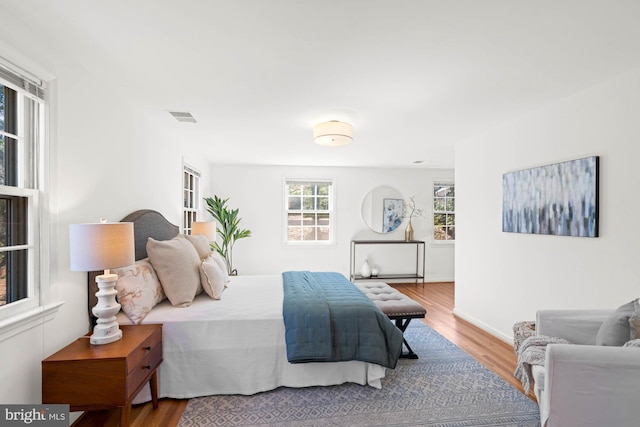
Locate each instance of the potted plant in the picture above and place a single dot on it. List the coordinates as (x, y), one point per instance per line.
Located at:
(228, 229)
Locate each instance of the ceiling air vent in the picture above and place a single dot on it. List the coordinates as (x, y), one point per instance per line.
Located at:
(183, 116)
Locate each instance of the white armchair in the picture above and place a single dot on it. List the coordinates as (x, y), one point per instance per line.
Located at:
(582, 384)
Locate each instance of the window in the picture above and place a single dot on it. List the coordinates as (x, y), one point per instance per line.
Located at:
(22, 172)
(444, 212)
(309, 211)
(191, 197)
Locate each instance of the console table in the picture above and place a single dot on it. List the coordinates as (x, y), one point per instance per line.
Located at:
(417, 274)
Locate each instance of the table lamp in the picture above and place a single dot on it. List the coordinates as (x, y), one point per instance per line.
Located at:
(101, 246)
(206, 228)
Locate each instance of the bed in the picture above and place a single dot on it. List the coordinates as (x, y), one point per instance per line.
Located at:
(235, 345)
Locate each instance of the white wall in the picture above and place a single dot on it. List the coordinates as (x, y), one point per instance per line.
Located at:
(504, 277)
(258, 192)
(107, 160)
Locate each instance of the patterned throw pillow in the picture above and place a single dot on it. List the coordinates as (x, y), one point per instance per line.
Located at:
(139, 289)
(632, 343)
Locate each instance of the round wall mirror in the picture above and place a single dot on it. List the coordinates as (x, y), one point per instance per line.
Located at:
(382, 209)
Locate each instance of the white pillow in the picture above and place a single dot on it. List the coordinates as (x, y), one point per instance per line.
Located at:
(222, 264)
(139, 289)
(178, 267)
(212, 278)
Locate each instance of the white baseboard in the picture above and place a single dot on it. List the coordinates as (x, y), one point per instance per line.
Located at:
(438, 279)
(488, 329)
(426, 280)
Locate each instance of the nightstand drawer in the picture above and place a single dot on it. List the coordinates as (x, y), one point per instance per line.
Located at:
(150, 345)
(145, 368)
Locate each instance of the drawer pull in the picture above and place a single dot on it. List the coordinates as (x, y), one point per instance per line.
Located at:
(148, 348)
(146, 367)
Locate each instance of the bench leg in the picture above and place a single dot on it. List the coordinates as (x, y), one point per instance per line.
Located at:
(402, 325)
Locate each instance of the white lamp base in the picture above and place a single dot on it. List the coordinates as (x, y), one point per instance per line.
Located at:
(107, 329)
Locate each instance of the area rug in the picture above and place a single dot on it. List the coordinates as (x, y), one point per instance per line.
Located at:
(445, 387)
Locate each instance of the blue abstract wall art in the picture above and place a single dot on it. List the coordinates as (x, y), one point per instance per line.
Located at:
(392, 215)
(559, 199)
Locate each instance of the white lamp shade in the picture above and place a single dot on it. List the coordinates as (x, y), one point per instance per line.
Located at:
(333, 133)
(206, 228)
(101, 246)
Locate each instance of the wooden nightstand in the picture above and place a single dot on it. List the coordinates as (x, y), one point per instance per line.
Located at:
(90, 377)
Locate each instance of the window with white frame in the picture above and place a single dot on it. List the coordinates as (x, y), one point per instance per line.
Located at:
(309, 211)
(444, 211)
(22, 185)
(191, 197)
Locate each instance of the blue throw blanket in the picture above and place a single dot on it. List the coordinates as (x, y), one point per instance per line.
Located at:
(328, 319)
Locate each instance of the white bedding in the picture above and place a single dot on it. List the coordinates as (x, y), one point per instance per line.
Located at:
(236, 345)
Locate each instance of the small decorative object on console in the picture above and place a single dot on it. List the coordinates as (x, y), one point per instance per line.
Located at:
(413, 211)
(365, 270)
(408, 233)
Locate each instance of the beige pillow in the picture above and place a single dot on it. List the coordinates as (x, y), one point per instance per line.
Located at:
(212, 278)
(177, 264)
(139, 289)
(201, 244)
(222, 264)
(634, 320)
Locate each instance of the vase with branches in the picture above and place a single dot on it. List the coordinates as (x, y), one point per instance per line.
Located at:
(411, 211)
(228, 229)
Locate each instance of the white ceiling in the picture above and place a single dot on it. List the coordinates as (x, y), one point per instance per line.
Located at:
(412, 76)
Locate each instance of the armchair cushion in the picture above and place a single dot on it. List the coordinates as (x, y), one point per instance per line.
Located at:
(616, 330)
(576, 326)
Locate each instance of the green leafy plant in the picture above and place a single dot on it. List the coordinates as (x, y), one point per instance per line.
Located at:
(228, 229)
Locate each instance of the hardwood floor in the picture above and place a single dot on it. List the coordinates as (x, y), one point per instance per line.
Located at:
(437, 298)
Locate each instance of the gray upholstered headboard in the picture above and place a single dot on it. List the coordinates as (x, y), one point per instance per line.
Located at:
(146, 223)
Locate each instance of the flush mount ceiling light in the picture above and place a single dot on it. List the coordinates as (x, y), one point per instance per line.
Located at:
(332, 133)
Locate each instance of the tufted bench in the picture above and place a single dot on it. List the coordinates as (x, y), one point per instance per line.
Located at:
(396, 305)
